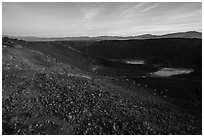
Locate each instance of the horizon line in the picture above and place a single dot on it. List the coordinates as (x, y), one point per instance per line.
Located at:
(106, 35)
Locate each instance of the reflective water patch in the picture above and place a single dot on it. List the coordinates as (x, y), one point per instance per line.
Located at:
(134, 61)
(166, 72)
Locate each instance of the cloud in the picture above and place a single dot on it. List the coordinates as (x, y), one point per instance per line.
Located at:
(89, 10)
(89, 14)
(76, 19)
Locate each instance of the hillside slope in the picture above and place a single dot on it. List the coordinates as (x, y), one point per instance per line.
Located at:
(45, 92)
(169, 52)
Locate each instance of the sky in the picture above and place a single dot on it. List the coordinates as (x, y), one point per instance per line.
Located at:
(99, 19)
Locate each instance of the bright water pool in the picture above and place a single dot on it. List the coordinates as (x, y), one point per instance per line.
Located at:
(166, 72)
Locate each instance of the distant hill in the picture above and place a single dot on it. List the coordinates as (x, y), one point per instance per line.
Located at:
(189, 34)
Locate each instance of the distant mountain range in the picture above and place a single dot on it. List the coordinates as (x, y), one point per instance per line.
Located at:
(188, 34)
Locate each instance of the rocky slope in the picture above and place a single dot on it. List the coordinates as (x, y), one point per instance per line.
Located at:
(44, 94)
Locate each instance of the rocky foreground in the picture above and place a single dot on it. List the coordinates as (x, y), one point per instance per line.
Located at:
(42, 95)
